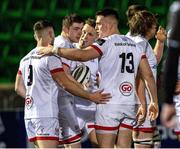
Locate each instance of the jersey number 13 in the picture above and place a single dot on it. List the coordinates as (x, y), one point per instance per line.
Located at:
(127, 62)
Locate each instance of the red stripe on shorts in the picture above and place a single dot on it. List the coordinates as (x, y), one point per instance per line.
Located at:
(105, 128)
(72, 139)
(43, 138)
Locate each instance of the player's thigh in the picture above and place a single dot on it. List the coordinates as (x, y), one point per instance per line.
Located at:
(106, 140)
(47, 143)
(124, 139)
(93, 138)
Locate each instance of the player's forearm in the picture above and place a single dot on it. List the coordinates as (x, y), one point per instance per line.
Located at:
(72, 87)
(20, 91)
(141, 91)
(72, 54)
(158, 50)
(151, 87)
(76, 90)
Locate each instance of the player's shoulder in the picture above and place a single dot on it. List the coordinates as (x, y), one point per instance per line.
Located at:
(61, 41)
(120, 38)
(27, 56)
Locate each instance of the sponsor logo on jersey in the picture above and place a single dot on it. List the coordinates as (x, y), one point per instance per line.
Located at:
(126, 88)
(100, 41)
(28, 102)
(124, 44)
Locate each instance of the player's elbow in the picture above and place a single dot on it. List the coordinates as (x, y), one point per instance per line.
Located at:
(17, 90)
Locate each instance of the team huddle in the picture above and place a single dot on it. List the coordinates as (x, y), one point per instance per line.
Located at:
(91, 80)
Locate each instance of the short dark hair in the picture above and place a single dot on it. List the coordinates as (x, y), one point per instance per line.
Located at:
(42, 24)
(70, 19)
(91, 22)
(108, 12)
(132, 9)
(141, 22)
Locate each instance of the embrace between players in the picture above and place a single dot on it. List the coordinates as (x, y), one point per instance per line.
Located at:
(58, 109)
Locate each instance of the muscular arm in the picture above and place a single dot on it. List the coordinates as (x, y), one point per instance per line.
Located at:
(159, 47)
(79, 55)
(147, 75)
(19, 86)
(68, 74)
(140, 88)
(72, 87)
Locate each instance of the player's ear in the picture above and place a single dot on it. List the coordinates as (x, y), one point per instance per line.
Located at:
(35, 37)
(65, 29)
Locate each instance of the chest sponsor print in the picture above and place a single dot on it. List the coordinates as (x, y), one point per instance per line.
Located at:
(126, 88)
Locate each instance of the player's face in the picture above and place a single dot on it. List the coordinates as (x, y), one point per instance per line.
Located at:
(101, 26)
(74, 31)
(88, 36)
(152, 31)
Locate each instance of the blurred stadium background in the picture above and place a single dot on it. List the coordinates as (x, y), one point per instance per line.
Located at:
(16, 40)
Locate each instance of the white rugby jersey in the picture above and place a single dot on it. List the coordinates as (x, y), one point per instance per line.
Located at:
(149, 54)
(62, 42)
(41, 89)
(94, 68)
(118, 67)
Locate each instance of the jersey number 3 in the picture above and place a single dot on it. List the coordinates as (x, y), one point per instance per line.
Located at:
(127, 62)
(30, 75)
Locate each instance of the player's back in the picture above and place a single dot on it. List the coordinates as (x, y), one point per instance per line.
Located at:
(118, 67)
(148, 51)
(41, 90)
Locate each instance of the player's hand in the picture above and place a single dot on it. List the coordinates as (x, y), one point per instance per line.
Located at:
(161, 34)
(168, 115)
(46, 50)
(100, 97)
(153, 111)
(141, 114)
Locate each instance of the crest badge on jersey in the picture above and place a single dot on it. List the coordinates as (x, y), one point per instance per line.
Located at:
(126, 88)
(28, 102)
(100, 41)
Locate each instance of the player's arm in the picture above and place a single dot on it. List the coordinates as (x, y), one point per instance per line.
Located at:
(147, 75)
(19, 86)
(161, 36)
(79, 55)
(72, 54)
(140, 89)
(68, 74)
(72, 87)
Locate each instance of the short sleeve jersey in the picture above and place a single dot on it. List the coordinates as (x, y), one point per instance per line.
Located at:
(41, 89)
(120, 58)
(62, 42)
(149, 54)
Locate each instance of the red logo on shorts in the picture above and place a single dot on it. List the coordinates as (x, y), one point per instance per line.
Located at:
(28, 102)
(126, 88)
